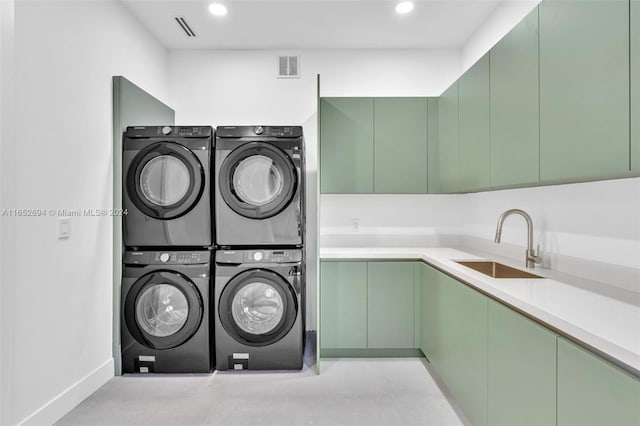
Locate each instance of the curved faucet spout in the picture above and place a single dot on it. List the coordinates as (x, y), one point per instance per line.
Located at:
(531, 256)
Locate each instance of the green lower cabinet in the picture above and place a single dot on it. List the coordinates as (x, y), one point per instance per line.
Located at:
(369, 308)
(391, 296)
(343, 305)
(435, 321)
(521, 370)
(592, 392)
(468, 332)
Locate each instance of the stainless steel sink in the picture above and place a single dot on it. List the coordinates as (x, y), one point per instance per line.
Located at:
(495, 269)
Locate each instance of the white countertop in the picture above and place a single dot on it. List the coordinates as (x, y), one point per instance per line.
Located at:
(605, 318)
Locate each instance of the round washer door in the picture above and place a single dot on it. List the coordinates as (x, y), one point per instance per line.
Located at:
(257, 307)
(163, 309)
(258, 180)
(165, 180)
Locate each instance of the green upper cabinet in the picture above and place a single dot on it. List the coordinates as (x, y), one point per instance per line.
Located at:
(391, 296)
(515, 142)
(521, 370)
(584, 89)
(346, 148)
(400, 146)
(474, 127)
(434, 156)
(635, 85)
(343, 305)
(448, 139)
(592, 392)
(468, 329)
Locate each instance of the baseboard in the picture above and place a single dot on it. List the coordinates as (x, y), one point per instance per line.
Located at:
(67, 400)
(371, 353)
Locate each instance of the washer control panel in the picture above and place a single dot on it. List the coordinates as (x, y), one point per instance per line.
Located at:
(258, 256)
(166, 257)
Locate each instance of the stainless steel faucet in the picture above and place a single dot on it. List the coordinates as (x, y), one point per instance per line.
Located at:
(531, 256)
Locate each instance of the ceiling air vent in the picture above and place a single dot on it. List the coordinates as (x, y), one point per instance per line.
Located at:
(288, 67)
(185, 27)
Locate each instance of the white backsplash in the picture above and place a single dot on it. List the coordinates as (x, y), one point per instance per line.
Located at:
(586, 229)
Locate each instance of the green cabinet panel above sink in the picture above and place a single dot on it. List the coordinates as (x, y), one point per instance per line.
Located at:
(474, 169)
(584, 89)
(449, 139)
(515, 125)
(400, 146)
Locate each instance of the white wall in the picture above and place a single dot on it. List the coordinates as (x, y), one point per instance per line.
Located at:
(66, 54)
(501, 21)
(596, 221)
(431, 220)
(7, 198)
(240, 87)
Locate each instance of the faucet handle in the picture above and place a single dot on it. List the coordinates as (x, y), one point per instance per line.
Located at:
(536, 256)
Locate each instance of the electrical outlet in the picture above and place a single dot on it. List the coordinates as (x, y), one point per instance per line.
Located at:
(355, 224)
(64, 228)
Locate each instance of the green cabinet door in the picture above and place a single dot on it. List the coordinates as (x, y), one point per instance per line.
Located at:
(635, 85)
(584, 89)
(343, 305)
(346, 145)
(474, 131)
(448, 139)
(592, 392)
(435, 321)
(515, 142)
(521, 370)
(400, 146)
(434, 156)
(468, 382)
(391, 297)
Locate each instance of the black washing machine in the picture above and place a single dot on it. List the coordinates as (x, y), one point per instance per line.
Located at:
(166, 186)
(259, 195)
(165, 312)
(259, 298)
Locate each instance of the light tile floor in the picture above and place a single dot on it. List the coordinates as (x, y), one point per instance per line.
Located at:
(385, 392)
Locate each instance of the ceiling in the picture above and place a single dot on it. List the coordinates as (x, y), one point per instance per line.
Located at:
(288, 24)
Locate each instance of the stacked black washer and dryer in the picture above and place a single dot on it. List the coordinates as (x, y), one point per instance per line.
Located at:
(259, 294)
(168, 237)
(213, 269)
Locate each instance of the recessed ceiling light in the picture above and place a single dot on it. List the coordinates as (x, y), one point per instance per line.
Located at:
(218, 9)
(404, 7)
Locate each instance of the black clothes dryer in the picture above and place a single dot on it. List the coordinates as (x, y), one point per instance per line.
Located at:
(166, 186)
(165, 312)
(259, 195)
(259, 298)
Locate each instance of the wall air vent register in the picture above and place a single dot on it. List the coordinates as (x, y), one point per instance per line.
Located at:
(288, 67)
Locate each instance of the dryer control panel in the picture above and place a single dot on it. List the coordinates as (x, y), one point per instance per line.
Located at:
(259, 131)
(258, 256)
(166, 257)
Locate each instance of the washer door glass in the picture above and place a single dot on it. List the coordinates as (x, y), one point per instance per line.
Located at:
(162, 310)
(257, 308)
(164, 180)
(258, 180)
